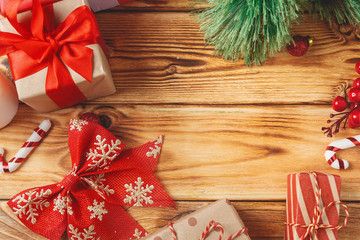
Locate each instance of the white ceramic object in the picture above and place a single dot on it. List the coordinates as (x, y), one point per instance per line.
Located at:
(9, 102)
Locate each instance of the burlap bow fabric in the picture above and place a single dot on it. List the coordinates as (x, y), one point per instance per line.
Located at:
(88, 202)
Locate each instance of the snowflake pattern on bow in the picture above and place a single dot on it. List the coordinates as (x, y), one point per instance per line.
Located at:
(98, 184)
(137, 234)
(30, 202)
(155, 151)
(97, 210)
(77, 124)
(104, 154)
(87, 234)
(138, 193)
(63, 204)
(89, 202)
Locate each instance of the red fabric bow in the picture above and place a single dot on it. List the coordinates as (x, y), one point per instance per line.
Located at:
(40, 45)
(88, 201)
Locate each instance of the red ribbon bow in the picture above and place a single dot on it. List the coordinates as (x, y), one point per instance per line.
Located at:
(40, 45)
(88, 201)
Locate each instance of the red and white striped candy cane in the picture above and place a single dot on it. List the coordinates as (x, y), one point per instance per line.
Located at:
(330, 153)
(29, 145)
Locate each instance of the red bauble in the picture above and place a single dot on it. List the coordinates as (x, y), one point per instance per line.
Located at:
(339, 104)
(354, 94)
(300, 46)
(357, 67)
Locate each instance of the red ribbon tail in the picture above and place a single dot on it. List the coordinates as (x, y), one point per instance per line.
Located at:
(60, 86)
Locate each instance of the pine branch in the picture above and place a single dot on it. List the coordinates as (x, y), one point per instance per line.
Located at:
(248, 29)
(343, 11)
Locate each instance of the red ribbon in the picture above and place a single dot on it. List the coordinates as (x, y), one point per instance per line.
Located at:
(88, 201)
(41, 45)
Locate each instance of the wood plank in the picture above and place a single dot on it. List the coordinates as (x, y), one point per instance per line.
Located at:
(161, 58)
(239, 152)
(159, 5)
(263, 219)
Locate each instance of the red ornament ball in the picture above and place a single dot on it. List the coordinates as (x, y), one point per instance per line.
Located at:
(354, 94)
(300, 46)
(357, 67)
(339, 104)
(90, 117)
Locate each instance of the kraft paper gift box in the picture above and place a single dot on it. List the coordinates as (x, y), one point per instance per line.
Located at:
(193, 225)
(31, 89)
(96, 5)
(301, 202)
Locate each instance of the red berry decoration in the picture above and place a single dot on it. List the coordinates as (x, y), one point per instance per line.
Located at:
(300, 46)
(352, 117)
(354, 105)
(356, 83)
(351, 125)
(354, 94)
(357, 67)
(339, 104)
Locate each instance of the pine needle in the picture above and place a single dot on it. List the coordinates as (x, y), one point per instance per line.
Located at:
(256, 29)
(248, 29)
(343, 11)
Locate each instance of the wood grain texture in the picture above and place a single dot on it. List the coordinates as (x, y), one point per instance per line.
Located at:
(239, 152)
(161, 5)
(263, 219)
(161, 58)
(231, 131)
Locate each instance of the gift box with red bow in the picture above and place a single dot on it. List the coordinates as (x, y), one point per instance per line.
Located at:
(96, 5)
(218, 220)
(54, 54)
(312, 206)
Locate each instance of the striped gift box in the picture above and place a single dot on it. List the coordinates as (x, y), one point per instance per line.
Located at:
(301, 205)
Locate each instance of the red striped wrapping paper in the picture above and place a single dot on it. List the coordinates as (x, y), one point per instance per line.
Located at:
(301, 201)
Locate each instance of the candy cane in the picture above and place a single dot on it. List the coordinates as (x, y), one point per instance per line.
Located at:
(330, 153)
(29, 145)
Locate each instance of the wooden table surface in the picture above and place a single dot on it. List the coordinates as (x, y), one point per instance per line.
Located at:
(231, 131)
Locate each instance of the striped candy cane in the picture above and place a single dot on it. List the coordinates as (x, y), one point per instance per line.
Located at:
(29, 145)
(330, 153)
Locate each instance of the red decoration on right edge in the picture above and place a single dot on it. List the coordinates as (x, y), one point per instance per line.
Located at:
(357, 67)
(300, 46)
(350, 99)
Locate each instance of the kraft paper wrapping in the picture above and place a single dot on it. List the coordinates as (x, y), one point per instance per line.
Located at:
(192, 226)
(99, 5)
(96, 5)
(300, 204)
(24, 6)
(31, 89)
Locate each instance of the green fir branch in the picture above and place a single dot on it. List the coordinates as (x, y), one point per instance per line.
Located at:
(248, 29)
(342, 11)
(256, 29)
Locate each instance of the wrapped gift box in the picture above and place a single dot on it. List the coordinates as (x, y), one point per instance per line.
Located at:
(31, 89)
(301, 202)
(192, 226)
(96, 5)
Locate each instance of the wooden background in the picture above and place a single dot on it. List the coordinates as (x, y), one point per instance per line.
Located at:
(231, 131)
